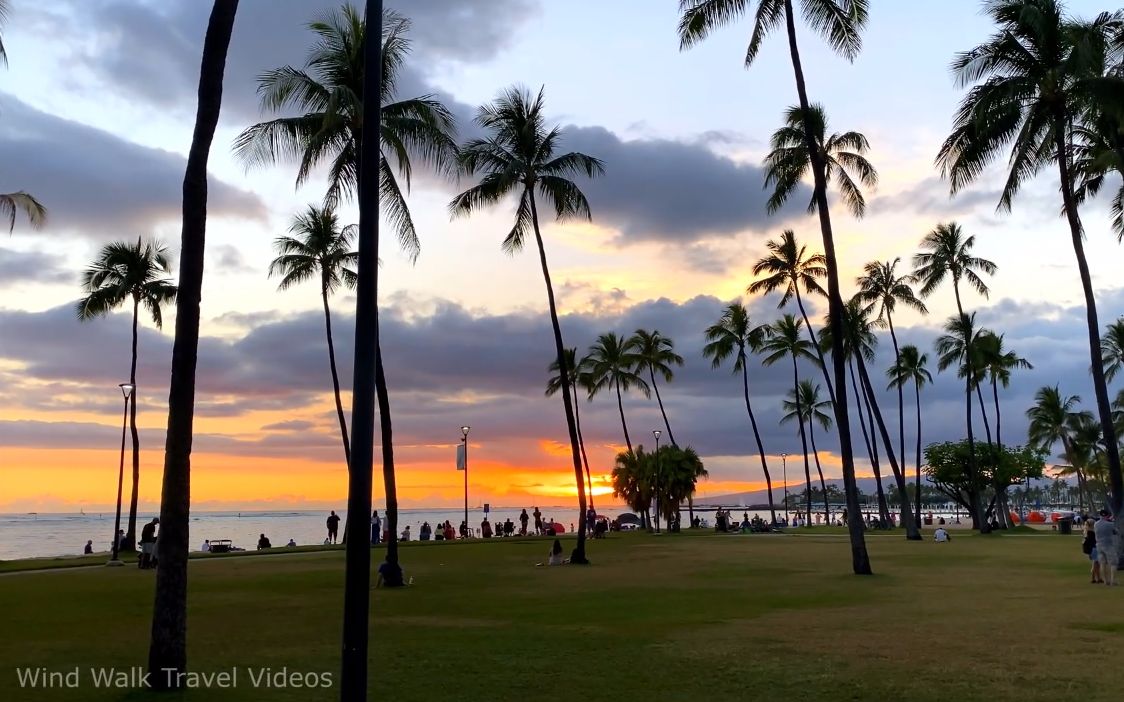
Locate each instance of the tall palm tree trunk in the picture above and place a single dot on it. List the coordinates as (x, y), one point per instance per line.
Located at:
(803, 438)
(757, 438)
(168, 645)
(819, 469)
(901, 401)
(1005, 513)
(1100, 387)
(862, 400)
(998, 418)
(983, 413)
(581, 445)
(578, 555)
(336, 381)
(974, 502)
(911, 531)
(860, 558)
(917, 495)
(815, 343)
(659, 401)
(624, 424)
(365, 388)
(130, 541)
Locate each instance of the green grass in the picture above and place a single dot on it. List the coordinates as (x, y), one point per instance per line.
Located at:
(673, 617)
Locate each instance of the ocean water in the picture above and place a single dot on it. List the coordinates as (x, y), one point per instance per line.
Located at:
(57, 534)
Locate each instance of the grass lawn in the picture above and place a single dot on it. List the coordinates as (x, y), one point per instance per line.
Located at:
(672, 617)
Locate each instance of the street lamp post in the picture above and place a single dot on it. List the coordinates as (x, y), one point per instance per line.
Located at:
(784, 468)
(464, 441)
(127, 391)
(656, 433)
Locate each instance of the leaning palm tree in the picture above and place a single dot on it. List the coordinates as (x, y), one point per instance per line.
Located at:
(319, 249)
(789, 268)
(805, 405)
(1052, 420)
(1112, 349)
(734, 335)
(167, 652)
(956, 348)
(840, 23)
(136, 273)
(575, 376)
(327, 97)
(613, 363)
(784, 338)
(1034, 84)
(518, 157)
(947, 253)
(655, 353)
(881, 287)
(843, 156)
(911, 366)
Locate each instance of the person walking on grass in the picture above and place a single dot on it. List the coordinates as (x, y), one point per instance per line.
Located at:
(1089, 548)
(1106, 533)
(333, 527)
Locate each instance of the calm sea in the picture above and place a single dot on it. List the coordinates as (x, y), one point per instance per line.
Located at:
(57, 534)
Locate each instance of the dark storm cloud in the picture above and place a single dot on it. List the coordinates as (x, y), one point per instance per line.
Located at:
(98, 184)
(664, 190)
(452, 366)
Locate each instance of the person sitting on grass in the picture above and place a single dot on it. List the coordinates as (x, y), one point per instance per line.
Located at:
(554, 558)
(941, 536)
(89, 547)
(263, 543)
(292, 543)
(406, 533)
(391, 576)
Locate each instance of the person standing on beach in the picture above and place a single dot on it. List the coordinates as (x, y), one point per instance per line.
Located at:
(333, 527)
(148, 543)
(1106, 532)
(538, 521)
(376, 528)
(523, 519)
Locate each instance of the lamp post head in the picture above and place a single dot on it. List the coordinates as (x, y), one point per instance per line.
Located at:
(656, 433)
(784, 456)
(127, 389)
(464, 431)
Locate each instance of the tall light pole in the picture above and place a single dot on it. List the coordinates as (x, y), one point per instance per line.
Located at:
(656, 433)
(127, 392)
(464, 442)
(784, 468)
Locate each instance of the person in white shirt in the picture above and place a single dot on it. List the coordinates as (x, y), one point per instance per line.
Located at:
(206, 546)
(941, 536)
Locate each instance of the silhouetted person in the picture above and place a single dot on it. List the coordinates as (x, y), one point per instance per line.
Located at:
(263, 543)
(148, 543)
(523, 519)
(333, 527)
(89, 547)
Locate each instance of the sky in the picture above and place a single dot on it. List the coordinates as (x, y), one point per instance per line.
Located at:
(96, 114)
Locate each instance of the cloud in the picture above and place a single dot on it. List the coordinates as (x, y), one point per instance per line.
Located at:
(33, 267)
(99, 185)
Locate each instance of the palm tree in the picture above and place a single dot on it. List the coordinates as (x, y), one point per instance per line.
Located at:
(956, 348)
(861, 401)
(575, 376)
(840, 23)
(859, 328)
(138, 273)
(784, 338)
(880, 286)
(1112, 349)
(613, 362)
(805, 405)
(633, 479)
(734, 335)
(788, 267)
(911, 367)
(655, 353)
(518, 157)
(1035, 83)
(1052, 420)
(319, 249)
(998, 363)
(168, 645)
(947, 253)
(327, 95)
(13, 203)
(843, 156)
